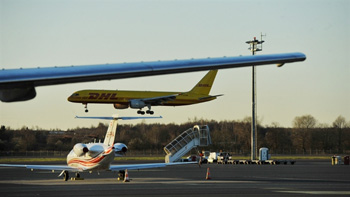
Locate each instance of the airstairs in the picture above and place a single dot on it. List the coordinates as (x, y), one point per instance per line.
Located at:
(189, 139)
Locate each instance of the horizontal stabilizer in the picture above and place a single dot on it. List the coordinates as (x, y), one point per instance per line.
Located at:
(209, 97)
(118, 118)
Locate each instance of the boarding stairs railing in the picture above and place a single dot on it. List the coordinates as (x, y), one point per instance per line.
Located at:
(197, 136)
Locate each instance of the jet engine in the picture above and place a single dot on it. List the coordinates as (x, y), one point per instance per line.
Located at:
(137, 104)
(120, 149)
(120, 106)
(80, 149)
(17, 94)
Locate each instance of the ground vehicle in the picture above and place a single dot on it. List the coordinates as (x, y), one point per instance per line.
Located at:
(223, 157)
(197, 157)
(213, 157)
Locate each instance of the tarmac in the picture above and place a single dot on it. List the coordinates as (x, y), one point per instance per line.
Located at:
(317, 177)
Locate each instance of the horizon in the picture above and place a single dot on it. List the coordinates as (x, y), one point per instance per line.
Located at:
(194, 120)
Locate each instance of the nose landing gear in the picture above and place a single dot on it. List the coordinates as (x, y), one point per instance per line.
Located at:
(85, 106)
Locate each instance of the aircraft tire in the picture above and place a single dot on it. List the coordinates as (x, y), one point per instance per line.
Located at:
(65, 176)
(77, 175)
(121, 175)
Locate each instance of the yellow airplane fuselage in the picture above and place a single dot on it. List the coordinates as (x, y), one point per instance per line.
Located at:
(124, 97)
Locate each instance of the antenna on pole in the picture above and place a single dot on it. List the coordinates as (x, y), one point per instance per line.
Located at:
(255, 45)
(261, 38)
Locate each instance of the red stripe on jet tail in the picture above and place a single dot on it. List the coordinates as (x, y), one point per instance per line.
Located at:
(109, 150)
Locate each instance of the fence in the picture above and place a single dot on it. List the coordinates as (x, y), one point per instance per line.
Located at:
(65, 153)
(160, 152)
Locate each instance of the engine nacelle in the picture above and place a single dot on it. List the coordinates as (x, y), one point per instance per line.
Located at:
(137, 104)
(120, 106)
(17, 94)
(95, 149)
(120, 149)
(80, 149)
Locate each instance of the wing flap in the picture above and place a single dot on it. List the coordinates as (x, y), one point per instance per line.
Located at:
(160, 99)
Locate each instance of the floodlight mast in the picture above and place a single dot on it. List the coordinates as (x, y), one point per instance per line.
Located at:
(254, 48)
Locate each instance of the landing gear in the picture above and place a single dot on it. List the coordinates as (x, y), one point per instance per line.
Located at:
(121, 175)
(140, 112)
(85, 106)
(150, 112)
(77, 175)
(65, 175)
(147, 112)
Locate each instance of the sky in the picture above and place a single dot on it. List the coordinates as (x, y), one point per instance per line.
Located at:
(40, 33)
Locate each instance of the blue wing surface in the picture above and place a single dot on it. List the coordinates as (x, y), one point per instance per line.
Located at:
(44, 167)
(146, 166)
(19, 84)
(112, 167)
(70, 74)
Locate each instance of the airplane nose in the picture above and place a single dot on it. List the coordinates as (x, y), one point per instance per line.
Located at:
(73, 97)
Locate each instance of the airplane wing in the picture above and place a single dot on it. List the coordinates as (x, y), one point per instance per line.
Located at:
(19, 84)
(159, 100)
(44, 167)
(145, 166)
(112, 167)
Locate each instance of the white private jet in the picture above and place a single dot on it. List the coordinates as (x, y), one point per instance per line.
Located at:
(97, 156)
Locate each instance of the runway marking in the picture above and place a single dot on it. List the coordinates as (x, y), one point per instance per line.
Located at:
(115, 181)
(318, 192)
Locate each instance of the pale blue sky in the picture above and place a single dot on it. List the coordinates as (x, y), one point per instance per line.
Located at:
(76, 32)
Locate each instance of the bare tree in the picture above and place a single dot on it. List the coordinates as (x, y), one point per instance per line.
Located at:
(339, 124)
(302, 134)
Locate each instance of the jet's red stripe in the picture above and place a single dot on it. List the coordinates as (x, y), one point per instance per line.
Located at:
(93, 161)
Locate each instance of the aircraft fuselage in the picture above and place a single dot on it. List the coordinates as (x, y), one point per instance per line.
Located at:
(96, 156)
(124, 97)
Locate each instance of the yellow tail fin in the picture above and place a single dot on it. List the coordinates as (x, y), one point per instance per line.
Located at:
(205, 84)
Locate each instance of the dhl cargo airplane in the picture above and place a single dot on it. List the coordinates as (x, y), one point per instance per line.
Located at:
(140, 99)
(97, 156)
(19, 84)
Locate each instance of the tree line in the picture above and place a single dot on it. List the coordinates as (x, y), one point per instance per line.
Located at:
(306, 136)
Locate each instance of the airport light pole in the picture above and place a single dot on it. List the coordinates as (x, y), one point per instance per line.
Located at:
(254, 48)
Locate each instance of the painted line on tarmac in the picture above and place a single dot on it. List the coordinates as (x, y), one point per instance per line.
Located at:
(115, 181)
(318, 192)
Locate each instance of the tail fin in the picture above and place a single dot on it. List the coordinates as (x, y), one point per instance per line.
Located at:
(205, 84)
(110, 135)
(111, 131)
